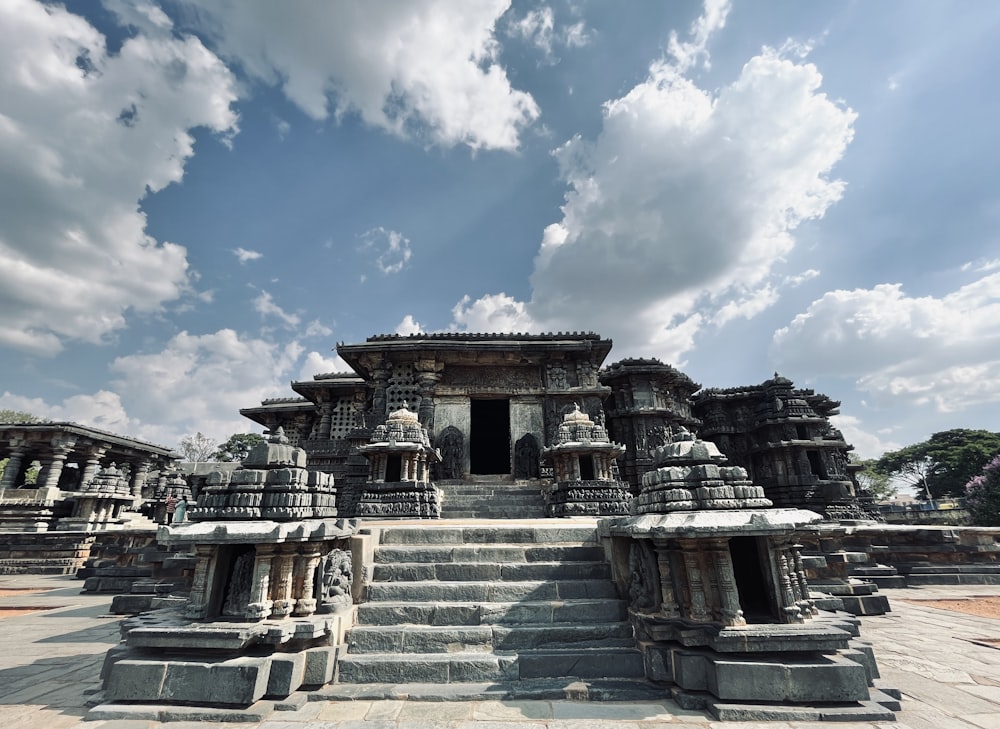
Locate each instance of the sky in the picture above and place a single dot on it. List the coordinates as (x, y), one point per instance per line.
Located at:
(199, 199)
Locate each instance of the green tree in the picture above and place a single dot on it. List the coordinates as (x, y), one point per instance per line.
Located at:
(943, 464)
(238, 447)
(982, 495)
(17, 417)
(878, 484)
(197, 447)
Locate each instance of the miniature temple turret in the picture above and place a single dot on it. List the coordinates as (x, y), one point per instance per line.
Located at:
(99, 503)
(399, 456)
(583, 463)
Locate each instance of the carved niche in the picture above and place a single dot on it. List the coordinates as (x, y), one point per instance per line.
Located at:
(334, 579)
(451, 443)
(526, 453)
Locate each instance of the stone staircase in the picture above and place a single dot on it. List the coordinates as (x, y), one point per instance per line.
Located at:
(490, 498)
(521, 611)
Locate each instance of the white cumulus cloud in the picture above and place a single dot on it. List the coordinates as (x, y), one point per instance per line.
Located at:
(392, 249)
(423, 67)
(84, 135)
(943, 351)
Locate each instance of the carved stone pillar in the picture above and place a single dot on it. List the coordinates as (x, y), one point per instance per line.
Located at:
(428, 376)
(61, 448)
(325, 420)
(281, 591)
(725, 577)
(380, 399)
(14, 468)
(805, 603)
(198, 598)
(791, 610)
(90, 466)
(696, 582)
(668, 606)
(305, 580)
(260, 605)
(138, 478)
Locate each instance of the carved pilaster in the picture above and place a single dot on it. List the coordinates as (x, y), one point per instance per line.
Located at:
(380, 399)
(729, 597)
(668, 606)
(281, 590)
(61, 448)
(90, 466)
(305, 580)
(138, 478)
(698, 610)
(792, 611)
(805, 603)
(428, 375)
(197, 603)
(15, 465)
(260, 605)
(325, 420)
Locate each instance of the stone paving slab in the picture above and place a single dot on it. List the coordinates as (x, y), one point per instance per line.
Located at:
(50, 659)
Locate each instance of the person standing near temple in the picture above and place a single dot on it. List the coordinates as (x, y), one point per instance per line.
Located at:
(180, 512)
(171, 504)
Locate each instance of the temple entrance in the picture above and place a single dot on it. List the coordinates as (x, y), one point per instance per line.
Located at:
(750, 581)
(489, 437)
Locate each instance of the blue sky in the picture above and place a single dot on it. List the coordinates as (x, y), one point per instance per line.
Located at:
(199, 199)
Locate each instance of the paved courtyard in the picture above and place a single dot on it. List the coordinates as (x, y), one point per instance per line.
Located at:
(52, 644)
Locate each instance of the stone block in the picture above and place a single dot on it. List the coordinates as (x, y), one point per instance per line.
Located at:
(239, 682)
(135, 680)
(286, 675)
(319, 665)
(187, 681)
(826, 678)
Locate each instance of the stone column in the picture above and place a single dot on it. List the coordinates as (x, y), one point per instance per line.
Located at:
(197, 602)
(696, 583)
(669, 606)
(14, 466)
(806, 604)
(94, 455)
(428, 376)
(325, 420)
(61, 448)
(138, 478)
(380, 400)
(305, 580)
(284, 601)
(729, 596)
(789, 608)
(260, 606)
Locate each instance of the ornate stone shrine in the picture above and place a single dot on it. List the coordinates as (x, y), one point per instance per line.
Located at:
(266, 612)
(584, 467)
(719, 598)
(400, 457)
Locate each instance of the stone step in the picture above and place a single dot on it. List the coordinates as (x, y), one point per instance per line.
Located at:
(490, 534)
(466, 667)
(487, 638)
(540, 689)
(488, 554)
(486, 613)
(482, 571)
(491, 591)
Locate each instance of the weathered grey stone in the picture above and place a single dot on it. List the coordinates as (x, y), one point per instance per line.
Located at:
(135, 680)
(191, 682)
(286, 674)
(320, 664)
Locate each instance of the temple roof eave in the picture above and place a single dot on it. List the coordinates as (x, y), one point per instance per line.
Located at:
(96, 435)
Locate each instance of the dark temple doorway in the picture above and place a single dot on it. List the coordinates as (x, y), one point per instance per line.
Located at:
(489, 437)
(750, 581)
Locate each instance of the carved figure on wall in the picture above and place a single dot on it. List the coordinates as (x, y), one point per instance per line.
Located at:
(644, 578)
(335, 578)
(240, 585)
(656, 436)
(451, 444)
(526, 454)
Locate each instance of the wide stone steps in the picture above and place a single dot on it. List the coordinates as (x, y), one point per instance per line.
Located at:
(484, 613)
(491, 501)
(467, 603)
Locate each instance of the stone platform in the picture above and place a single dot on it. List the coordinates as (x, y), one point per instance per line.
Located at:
(50, 659)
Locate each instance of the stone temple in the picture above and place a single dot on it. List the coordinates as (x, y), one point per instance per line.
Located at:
(504, 516)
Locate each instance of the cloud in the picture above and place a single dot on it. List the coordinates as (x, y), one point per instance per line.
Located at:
(943, 351)
(315, 328)
(424, 68)
(84, 135)
(244, 255)
(265, 306)
(392, 249)
(687, 53)
(493, 313)
(199, 383)
(317, 364)
(103, 410)
(408, 326)
(866, 443)
(677, 212)
(538, 27)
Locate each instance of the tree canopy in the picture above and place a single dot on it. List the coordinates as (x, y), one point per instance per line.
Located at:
(197, 447)
(238, 447)
(982, 495)
(13, 417)
(943, 464)
(878, 484)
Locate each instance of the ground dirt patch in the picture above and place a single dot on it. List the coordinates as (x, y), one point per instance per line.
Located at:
(983, 607)
(17, 591)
